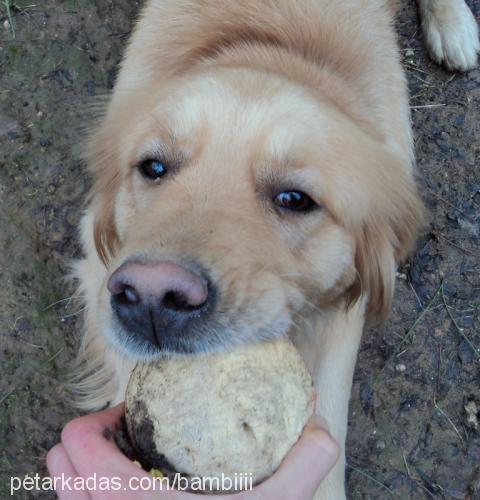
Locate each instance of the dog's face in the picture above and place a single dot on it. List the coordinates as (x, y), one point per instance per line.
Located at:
(234, 206)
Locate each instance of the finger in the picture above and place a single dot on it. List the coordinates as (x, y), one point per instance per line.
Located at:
(87, 442)
(106, 420)
(61, 469)
(305, 466)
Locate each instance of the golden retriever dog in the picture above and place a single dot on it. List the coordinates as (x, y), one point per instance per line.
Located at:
(254, 179)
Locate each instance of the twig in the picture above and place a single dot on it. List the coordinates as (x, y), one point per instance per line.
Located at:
(14, 326)
(448, 418)
(9, 16)
(36, 346)
(426, 490)
(427, 84)
(27, 40)
(428, 106)
(51, 358)
(74, 313)
(459, 330)
(66, 299)
(376, 481)
(450, 242)
(451, 205)
(416, 295)
(8, 393)
(417, 321)
(406, 464)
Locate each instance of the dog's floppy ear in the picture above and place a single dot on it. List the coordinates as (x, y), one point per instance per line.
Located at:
(385, 235)
(101, 159)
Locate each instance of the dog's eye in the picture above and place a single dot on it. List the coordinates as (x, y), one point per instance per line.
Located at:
(294, 200)
(153, 169)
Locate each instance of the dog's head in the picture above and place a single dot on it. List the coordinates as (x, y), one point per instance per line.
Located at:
(231, 206)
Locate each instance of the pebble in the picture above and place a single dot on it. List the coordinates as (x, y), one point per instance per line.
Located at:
(400, 367)
(381, 445)
(465, 353)
(472, 410)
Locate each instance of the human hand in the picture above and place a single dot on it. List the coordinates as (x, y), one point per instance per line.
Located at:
(85, 452)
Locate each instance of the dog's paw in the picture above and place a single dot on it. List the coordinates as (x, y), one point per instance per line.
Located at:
(451, 34)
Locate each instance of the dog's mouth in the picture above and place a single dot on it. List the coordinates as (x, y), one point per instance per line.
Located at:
(208, 333)
(166, 307)
(181, 329)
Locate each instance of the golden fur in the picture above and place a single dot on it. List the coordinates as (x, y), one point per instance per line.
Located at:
(245, 99)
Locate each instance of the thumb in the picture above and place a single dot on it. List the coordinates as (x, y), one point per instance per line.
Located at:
(305, 466)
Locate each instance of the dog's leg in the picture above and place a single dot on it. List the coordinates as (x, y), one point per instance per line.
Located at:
(330, 352)
(451, 33)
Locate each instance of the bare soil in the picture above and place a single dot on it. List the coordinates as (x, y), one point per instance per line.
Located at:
(409, 433)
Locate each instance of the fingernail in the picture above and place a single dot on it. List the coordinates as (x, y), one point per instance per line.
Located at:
(321, 422)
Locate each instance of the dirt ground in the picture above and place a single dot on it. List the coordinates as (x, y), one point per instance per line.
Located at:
(410, 436)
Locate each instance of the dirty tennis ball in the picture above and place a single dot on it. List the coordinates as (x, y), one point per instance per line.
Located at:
(236, 413)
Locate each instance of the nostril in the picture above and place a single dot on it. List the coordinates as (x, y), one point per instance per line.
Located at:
(127, 296)
(178, 301)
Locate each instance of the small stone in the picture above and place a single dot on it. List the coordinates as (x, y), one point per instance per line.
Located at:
(56, 236)
(469, 226)
(6, 25)
(51, 188)
(466, 354)
(472, 410)
(400, 368)
(72, 218)
(439, 332)
(401, 276)
(409, 53)
(381, 445)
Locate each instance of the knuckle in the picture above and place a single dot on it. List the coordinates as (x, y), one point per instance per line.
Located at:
(327, 444)
(74, 431)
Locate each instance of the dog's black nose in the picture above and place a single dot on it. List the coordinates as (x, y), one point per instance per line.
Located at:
(155, 300)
